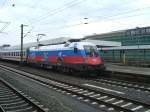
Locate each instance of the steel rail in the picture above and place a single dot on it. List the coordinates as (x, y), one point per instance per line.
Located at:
(56, 84)
(13, 100)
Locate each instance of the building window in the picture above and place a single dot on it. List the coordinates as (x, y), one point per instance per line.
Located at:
(148, 30)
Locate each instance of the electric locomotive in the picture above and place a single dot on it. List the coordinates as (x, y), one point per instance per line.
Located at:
(76, 56)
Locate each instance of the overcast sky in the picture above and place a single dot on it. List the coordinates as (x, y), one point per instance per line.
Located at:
(66, 18)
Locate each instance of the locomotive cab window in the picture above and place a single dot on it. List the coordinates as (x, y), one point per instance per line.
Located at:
(91, 51)
(75, 50)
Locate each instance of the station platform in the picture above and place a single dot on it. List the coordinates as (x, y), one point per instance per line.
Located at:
(128, 69)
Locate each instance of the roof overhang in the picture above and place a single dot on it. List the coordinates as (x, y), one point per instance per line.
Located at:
(103, 43)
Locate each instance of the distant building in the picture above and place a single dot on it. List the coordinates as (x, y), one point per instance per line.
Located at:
(4, 46)
(135, 49)
(136, 36)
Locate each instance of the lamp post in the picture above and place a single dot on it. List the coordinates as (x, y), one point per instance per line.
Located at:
(21, 49)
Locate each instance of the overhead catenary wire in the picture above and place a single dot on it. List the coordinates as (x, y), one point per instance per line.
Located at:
(28, 32)
(124, 13)
(58, 10)
(107, 18)
(69, 4)
(51, 14)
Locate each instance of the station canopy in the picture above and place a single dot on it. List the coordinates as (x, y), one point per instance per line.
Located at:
(61, 40)
(102, 43)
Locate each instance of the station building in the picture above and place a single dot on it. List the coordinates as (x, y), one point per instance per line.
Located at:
(135, 49)
(136, 36)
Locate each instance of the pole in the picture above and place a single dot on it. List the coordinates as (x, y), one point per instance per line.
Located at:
(21, 50)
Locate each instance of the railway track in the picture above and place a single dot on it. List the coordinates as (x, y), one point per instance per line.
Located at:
(124, 84)
(102, 100)
(12, 100)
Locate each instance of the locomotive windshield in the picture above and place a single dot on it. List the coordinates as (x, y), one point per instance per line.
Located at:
(91, 51)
